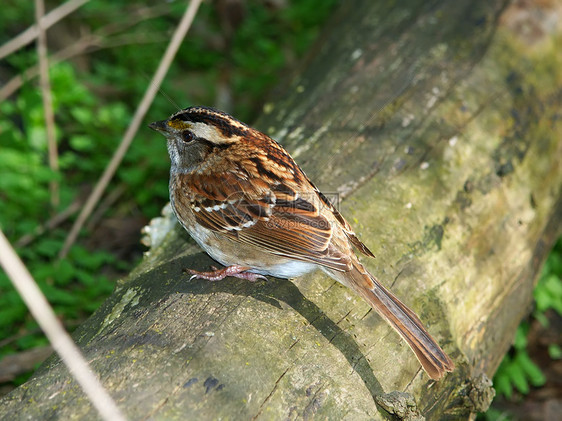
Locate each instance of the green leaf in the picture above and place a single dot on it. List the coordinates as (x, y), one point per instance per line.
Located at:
(48, 247)
(520, 341)
(133, 176)
(493, 414)
(58, 296)
(554, 262)
(553, 284)
(517, 377)
(42, 272)
(67, 160)
(542, 319)
(37, 136)
(532, 371)
(548, 294)
(82, 143)
(83, 115)
(542, 299)
(86, 278)
(12, 314)
(64, 272)
(113, 115)
(502, 384)
(32, 341)
(555, 352)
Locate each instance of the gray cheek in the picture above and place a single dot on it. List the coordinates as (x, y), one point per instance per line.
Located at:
(185, 157)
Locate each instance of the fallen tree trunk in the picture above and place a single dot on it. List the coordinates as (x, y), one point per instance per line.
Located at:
(438, 124)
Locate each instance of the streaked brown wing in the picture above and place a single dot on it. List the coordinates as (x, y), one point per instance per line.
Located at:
(351, 236)
(277, 219)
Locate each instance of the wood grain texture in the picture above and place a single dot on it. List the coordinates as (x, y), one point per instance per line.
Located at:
(439, 125)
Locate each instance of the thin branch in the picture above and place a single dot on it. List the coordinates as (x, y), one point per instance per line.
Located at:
(46, 95)
(90, 43)
(13, 365)
(87, 44)
(106, 204)
(60, 340)
(149, 95)
(52, 223)
(46, 21)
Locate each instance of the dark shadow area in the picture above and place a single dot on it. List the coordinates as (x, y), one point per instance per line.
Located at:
(272, 292)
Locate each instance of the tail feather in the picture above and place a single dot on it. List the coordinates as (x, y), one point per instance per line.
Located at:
(432, 358)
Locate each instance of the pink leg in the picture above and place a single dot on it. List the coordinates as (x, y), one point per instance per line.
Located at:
(218, 274)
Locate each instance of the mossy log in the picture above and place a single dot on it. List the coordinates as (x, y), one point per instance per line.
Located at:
(438, 125)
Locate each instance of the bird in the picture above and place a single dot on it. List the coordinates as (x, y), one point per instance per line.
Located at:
(247, 203)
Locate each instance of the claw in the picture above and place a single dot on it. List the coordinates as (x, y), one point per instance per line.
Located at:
(236, 271)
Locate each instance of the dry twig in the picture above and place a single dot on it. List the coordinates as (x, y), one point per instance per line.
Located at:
(108, 201)
(89, 43)
(52, 223)
(47, 98)
(32, 32)
(13, 365)
(60, 340)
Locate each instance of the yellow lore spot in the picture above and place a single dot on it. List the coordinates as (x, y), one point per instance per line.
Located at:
(179, 124)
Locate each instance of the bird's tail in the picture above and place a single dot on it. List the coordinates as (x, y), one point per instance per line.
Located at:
(432, 358)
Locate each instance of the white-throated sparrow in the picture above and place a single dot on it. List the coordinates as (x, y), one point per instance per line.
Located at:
(247, 203)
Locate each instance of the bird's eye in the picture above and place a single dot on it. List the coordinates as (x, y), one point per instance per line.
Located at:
(187, 136)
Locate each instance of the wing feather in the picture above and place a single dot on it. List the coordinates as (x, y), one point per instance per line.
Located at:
(276, 219)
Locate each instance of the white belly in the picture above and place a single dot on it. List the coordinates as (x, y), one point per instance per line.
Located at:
(234, 253)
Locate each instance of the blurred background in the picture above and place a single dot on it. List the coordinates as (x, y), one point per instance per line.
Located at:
(101, 58)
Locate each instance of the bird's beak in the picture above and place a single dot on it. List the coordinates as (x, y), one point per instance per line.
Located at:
(159, 126)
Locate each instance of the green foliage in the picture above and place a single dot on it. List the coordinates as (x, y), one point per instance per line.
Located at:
(493, 415)
(517, 371)
(555, 352)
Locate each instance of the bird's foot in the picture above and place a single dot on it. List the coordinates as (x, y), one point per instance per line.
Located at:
(216, 274)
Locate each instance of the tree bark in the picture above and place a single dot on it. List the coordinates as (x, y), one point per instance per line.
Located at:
(438, 125)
